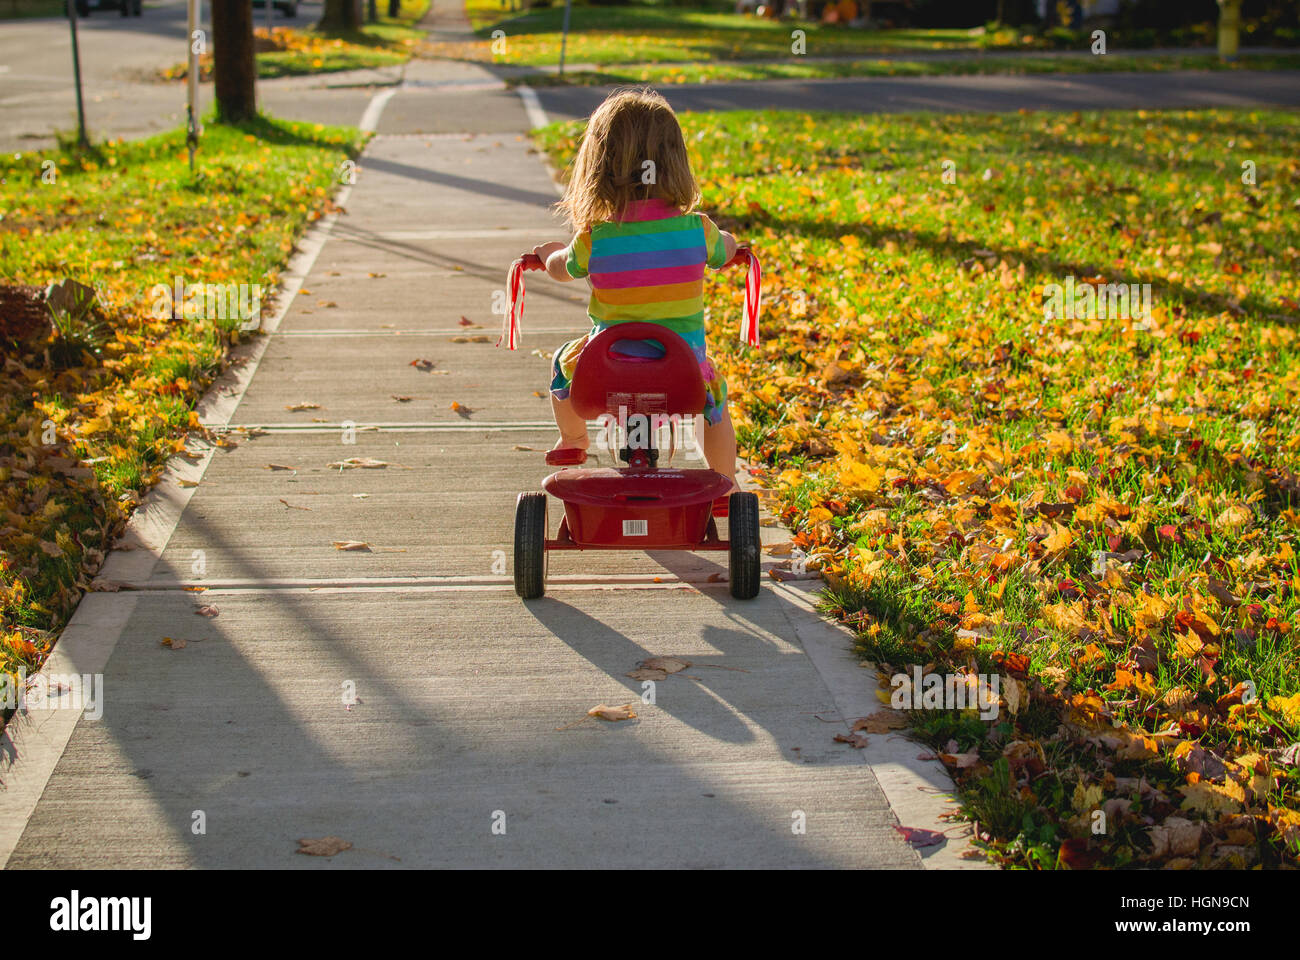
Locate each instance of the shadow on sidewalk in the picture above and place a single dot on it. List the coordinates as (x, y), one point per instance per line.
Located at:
(468, 184)
(302, 768)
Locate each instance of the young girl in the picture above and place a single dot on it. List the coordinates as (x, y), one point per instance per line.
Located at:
(641, 249)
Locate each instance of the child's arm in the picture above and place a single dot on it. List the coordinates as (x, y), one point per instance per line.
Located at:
(553, 255)
(729, 243)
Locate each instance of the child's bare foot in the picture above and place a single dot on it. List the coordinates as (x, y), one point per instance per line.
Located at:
(572, 443)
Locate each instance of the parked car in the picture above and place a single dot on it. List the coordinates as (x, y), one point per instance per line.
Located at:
(288, 7)
(131, 7)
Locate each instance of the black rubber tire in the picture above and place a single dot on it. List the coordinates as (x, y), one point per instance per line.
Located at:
(530, 545)
(742, 530)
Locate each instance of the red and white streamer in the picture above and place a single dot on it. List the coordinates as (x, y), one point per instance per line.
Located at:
(753, 298)
(512, 321)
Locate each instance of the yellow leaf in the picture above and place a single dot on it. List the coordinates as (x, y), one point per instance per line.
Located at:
(1212, 799)
(1288, 707)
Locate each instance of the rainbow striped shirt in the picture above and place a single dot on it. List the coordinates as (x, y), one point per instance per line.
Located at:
(648, 266)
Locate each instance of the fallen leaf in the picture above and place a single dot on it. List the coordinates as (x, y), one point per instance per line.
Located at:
(920, 837)
(604, 712)
(1212, 799)
(322, 846)
(882, 721)
(666, 664)
(352, 545)
(1175, 837)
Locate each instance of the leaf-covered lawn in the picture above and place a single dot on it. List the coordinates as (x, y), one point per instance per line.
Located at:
(1100, 511)
(289, 52)
(796, 68)
(123, 218)
(638, 33)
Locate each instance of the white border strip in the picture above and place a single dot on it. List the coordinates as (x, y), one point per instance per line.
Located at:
(370, 119)
(919, 791)
(532, 106)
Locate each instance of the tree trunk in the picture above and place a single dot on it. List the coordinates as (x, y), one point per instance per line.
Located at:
(234, 69)
(340, 15)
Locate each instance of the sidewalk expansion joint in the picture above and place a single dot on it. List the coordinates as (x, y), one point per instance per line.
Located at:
(577, 581)
(434, 427)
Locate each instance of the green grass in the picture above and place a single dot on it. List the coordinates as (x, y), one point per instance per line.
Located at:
(23, 9)
(122, 217)
(297, 63)
(796, 68)
(388, 42)
(954, 459)
(647, 33)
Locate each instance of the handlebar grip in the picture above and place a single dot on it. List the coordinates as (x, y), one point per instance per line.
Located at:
(740, 257)
(532, 261)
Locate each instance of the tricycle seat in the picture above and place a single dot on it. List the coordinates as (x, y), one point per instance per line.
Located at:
(608, 379)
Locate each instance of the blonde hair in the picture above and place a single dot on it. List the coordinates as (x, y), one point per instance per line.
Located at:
(629, 128)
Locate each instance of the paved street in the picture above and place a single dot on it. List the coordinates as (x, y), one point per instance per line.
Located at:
(36, 90)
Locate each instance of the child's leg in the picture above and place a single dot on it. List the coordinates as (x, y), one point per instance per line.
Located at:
(718, 440)
(573, 429)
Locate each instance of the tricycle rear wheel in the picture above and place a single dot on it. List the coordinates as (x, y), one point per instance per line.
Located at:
(530, 545)
(743, 533)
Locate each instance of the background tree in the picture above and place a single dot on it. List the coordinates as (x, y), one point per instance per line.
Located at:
(340, 16)
(234, 69)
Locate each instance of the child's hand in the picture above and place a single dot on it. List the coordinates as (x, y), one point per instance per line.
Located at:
(547, 253)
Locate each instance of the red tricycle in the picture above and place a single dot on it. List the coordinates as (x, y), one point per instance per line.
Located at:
(641, 506)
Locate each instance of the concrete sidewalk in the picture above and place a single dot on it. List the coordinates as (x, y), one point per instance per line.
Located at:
(403, 698)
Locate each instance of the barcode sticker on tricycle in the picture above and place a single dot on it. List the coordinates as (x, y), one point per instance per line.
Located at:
(635, 528)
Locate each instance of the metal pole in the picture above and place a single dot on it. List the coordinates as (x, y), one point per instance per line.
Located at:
(192, 126)
(564, 39)
(270, 8)
(76, 69)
